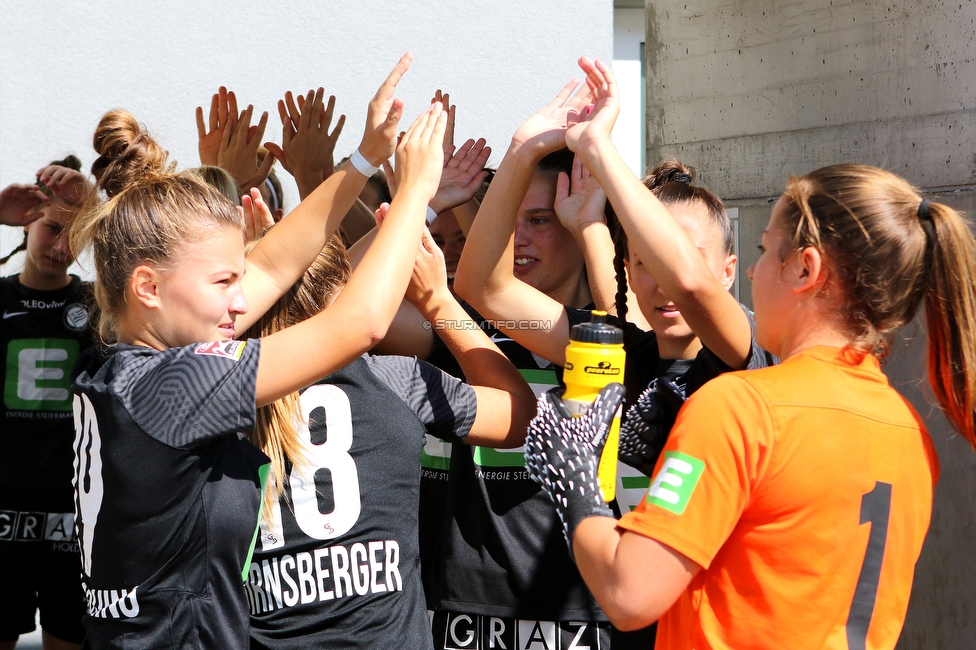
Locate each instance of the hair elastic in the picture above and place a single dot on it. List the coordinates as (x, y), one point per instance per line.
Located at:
(682, 178)
(358, 160)
(923, 210)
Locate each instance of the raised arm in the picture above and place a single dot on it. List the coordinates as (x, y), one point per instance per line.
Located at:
(286, 252)
(485, 275)
(505, 401)
(662, 245)
(462, 176)
(299, 355)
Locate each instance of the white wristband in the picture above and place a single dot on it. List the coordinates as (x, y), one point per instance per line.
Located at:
(431, 215)
(362, 165)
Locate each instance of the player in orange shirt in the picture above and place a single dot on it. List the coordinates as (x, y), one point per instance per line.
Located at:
(790, 504)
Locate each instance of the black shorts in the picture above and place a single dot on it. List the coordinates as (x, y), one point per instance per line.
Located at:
(43, 575)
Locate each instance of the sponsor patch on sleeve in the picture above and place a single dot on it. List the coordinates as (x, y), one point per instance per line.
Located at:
(226, 349)
(671, 489)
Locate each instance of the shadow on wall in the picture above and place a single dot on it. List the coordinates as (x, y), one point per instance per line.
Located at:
(941, 611)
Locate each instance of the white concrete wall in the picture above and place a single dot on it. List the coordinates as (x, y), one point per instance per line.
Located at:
(63, 64)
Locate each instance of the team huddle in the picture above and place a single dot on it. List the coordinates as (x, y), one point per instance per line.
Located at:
(343, 427)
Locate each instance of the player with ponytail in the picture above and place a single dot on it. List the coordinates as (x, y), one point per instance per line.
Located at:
(790, 503)
(167, 488)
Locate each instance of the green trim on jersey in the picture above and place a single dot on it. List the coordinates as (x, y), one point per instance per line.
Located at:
(263, 472)
(539, 381)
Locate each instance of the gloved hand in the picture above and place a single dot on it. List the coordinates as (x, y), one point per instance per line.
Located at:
(562, 453)
(646, 425)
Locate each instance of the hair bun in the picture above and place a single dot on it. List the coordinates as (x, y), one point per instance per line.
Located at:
(670, 171)
(70, 161)
(125, 152)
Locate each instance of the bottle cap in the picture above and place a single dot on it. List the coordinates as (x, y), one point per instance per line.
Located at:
(597, 331)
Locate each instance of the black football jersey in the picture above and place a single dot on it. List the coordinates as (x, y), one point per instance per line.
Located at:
(167, 493)
(338, 562)
(42, 334)
(436, 457)
(499, 545)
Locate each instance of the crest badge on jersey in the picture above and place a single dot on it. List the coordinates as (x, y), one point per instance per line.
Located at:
(226, 349)
(75, 317)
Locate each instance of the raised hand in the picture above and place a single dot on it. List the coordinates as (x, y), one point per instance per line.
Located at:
(429, 276)
(579, 199)
(238, 153)
(647, 424)
(545, 131)
(257, 215)
(462, 176)
(223, 114)
(445, 100)
(67, 184)
(307, 145)
(598, 121)
(382, 117)
(21, 204)
(562, 454)
(419, 155)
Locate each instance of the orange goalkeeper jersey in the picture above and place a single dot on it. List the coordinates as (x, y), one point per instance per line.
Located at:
(804, 491)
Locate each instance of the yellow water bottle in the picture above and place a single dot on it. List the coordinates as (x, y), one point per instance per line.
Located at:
(594, 358)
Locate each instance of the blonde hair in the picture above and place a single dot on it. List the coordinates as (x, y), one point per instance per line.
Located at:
(221, 180)
(275, 432)
(889, 251)
(150, 212)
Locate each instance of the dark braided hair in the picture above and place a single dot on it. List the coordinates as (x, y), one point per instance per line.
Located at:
(671, 182)
(70, 162)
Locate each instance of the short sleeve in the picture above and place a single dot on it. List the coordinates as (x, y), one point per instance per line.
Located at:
(186, 396)
(444, 404)
(708, 470)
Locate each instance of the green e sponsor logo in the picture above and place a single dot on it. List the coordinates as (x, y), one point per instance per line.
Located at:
(672, 487)
(38, 374)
